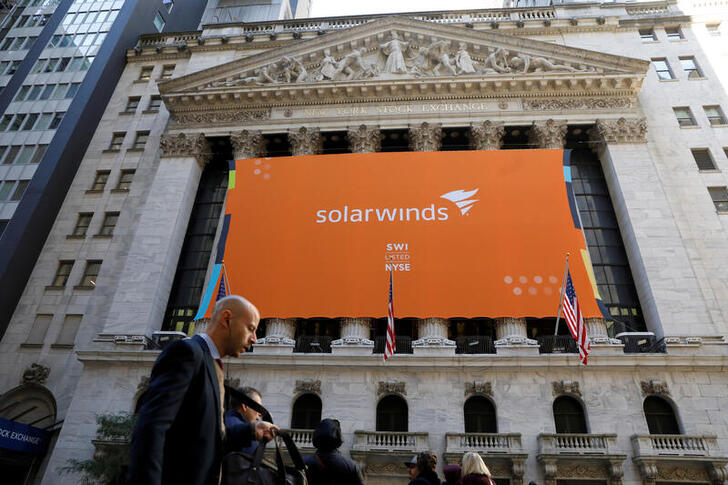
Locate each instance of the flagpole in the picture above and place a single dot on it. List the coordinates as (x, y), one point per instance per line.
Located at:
(563, 294)
(225, 277)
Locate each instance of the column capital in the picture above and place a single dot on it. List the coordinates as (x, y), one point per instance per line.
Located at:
(511, 331)
(547, 134)
(622, 130)
(248, 144)
(186, 145)
(425, 137)
(487, 135)
(433, 333)
(305, 141)
(365, 139)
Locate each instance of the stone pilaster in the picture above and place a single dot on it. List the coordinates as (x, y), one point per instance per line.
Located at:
(355, 331)
(487, 135)
(596, 330)
(139, 303)
(248, 144)
(620, 131)
(305, 141)
(365, 139)
(279, 331)
(547, 134)
(511, 331)
(433, 333)
(425, 137)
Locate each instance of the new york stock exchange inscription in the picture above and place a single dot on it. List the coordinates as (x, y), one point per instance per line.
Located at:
(403, 109)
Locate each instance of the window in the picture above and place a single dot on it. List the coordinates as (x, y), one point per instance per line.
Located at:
(146, 73)
(90, 274)
(154, 103)
(5, 122)
(69, 329)
(47, 91)
(158, 22)
(392, 414)
(703, 159)
(20, 190)
(663, 69)
(65, 61)
(13, 67)
(306, 412)
(3, 223)
(82, 223)
(39, 154)
(690, 67)
(62, 273)
(51, 65)
(480, 415)
(72, 90)
(660, 416)
(5, 188)
(713, 29)
(24, 156)
(60, 91)
(715, 115)
(132, 104)
(647, 35)
(38, 330)
(22, 93)
(720, 198)
(168, 4)
(684, 116)
(107, 227)
(102, 176)
(44, 122)
(167, 71)
(125, 179)
(30, 121)
(34, 92)
(569, 415)
(116, 140)
(12, 153)
(15, 125)
(56, 121)
(140, 140)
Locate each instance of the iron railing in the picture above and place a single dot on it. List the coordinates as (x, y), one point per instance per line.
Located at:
(313, 344)
(403, 344)
(474, 344)
(557, 344)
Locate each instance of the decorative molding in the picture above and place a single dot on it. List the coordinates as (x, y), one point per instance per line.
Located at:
(35, 374)
(620, 131)
(308, 387)
(248, 144)
(193, 145)
(565, 387)
(655, 388)
(365, 139)
(583, 471)
(487, 135)
(547, 134)
(616, 472)
(682, 472)
(718, 473)
(216, 117)
(391, 387)
(649, 471)
(425, 137)
(478, 388)
(557, 104)
(305, 141)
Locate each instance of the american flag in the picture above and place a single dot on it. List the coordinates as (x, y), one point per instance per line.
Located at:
(575, 320)
(222, 290)
(390, 346)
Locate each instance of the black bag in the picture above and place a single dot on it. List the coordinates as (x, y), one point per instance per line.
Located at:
(244, 469)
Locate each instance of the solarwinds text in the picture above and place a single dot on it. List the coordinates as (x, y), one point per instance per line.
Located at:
(400, 214)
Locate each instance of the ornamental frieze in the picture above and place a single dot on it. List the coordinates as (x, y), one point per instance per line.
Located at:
(555, 104)
(216, 117)
(391, 388)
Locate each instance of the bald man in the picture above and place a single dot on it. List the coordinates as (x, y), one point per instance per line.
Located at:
(179, 435)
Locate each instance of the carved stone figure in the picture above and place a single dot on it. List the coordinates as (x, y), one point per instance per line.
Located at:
(474, 388)
(496, 62)
(394, 50)
(463, 61)
(565, 387)
(36, 374)
(261, 76)
(655, 387)
(437, 56)
(391, 388)
(524, 63)
(352, 66)
(308, 387)
(328, 66)
(292, 70)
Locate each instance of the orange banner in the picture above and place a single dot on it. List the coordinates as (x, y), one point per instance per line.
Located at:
(467, 234)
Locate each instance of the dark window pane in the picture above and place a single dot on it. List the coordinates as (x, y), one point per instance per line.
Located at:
(392, 414)
(306, 412)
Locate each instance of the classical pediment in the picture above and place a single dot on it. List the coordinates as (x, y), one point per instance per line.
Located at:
(400, 58)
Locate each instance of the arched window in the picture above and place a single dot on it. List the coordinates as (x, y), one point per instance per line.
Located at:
(306, 412)
(480, 415)
(569, 415)
(660, 416)
(392, 414)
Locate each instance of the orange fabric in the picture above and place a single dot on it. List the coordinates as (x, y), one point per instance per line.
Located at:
(503, 257)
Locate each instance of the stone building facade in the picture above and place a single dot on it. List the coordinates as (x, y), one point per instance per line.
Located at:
(636, 89)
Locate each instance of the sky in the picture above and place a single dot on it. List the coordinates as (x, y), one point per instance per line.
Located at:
(327, 8)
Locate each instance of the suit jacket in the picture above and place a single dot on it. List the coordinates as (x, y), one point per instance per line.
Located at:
(177, 437)
(233, 421)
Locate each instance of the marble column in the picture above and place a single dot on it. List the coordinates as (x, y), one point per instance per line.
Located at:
(148, 271)
(547, 134)
(433, 337)
(511, 331)
(596, 330)
(248, 144)
(487, 135)
(354, 337)
(425, 137)
(305, 141)
(365, 139)
(279, 336)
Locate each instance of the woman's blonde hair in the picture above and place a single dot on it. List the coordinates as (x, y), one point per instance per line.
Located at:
(473, 463)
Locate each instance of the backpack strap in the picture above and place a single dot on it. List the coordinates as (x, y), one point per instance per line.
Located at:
(231, 391)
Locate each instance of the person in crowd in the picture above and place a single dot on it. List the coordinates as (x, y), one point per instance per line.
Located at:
(474, 470)
(425, 470)
(179, 432)
(452, 474)
(241, 415)
(328, 466)
(412, 467)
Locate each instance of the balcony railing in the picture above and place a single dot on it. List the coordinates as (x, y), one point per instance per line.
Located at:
(474, 345)
(577, 444)
(557, 344)
(302, 437)
(390, 441)
(675, 445)
(641, 343)
(484, 443)
(313, 344)
(403, 343)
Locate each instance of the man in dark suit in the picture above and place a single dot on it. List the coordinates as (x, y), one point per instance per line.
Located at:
(179, 434)
(240, 414)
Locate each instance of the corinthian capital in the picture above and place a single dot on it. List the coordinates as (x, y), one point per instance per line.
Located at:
(183, 145)
(620, 131)
(248, 144)
(487, 135)
(305, 141)
(547, 134)
(365, 139)
(425, 137)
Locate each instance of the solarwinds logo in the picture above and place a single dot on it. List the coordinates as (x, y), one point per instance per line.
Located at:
(461, 198)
